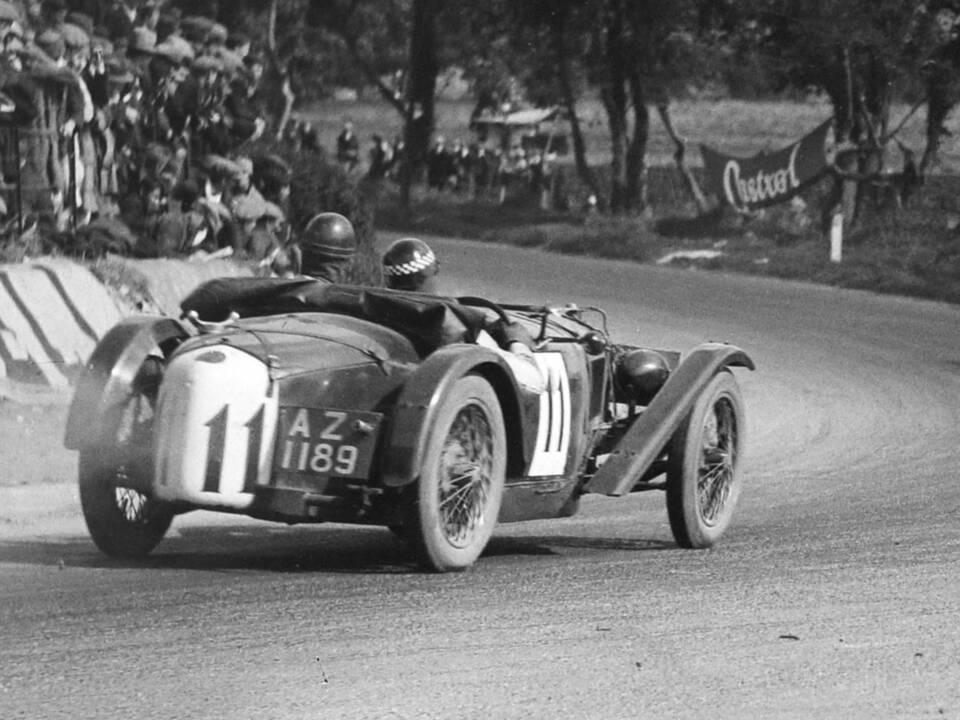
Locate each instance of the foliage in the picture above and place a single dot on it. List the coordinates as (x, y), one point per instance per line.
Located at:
(320, 185)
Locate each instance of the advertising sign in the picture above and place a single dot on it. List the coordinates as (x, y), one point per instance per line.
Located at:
(767, 178)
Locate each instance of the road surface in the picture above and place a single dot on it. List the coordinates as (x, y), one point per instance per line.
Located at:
(835, 594)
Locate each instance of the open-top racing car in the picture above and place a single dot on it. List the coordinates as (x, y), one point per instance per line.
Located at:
(298, 401)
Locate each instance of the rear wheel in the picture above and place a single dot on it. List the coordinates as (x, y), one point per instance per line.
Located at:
(457, 501)
(702, 480)
(123, 519)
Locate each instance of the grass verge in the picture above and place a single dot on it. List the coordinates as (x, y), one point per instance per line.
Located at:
(914, 251)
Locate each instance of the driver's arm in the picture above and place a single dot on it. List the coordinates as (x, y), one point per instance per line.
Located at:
(515, 344)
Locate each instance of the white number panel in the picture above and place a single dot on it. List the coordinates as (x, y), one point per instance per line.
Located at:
(553, 432)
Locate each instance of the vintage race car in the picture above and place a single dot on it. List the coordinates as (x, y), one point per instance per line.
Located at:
(297, 401)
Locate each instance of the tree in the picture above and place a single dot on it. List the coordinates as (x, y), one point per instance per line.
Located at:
(856, 52)
(395, 39)
(633, 53)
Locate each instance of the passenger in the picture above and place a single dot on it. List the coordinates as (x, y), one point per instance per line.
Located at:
(327, 247)
(410, 264)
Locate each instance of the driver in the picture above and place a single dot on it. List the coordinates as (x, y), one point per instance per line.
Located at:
(410, 264)
(328, 246)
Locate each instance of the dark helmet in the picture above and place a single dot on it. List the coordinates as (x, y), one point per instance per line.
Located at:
(640, 374)
(327, 240)
(410, 264)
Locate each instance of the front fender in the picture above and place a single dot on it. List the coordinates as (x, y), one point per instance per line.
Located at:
(643, 442)
(107, 377)
(420, 399)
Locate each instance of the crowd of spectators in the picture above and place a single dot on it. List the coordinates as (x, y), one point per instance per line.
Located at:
(478, 170)
(126, 123)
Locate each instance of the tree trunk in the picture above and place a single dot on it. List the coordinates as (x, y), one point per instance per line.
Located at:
(614, 97)
(680, 157)
(559, 30)
(941, 97)
(281, 114)
(636, 166)
(419, 113)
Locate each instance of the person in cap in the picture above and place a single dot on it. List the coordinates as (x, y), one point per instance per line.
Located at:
(239, 43)
(13, 47)
(348, 147)
(51, 42)
(184, 107)
(328, 245)
(410, 264)
(255, 64)
(82, 21)
(242, 107)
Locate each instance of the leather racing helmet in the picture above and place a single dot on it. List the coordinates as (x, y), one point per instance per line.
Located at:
(410, 264)
(327, 241)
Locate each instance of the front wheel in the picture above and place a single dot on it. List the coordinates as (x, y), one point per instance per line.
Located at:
(123, 520)
(702, 480)
(458, 497)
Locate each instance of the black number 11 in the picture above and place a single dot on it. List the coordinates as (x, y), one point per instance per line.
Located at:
(216, 447)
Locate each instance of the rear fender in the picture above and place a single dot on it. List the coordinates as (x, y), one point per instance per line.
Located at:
(420, 399)
(645, 440)
(106, 380)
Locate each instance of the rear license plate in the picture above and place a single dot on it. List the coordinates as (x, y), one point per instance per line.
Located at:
(325, 442)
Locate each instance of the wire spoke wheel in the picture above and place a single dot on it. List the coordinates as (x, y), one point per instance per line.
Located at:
(717, 461)
(703, 485)
(460, 490)
(466, 466)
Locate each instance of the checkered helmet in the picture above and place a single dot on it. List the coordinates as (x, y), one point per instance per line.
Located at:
(408, 264)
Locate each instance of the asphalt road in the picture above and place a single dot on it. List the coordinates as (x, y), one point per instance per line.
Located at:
(836, 593)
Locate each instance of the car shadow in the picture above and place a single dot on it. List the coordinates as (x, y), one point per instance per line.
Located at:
(549, 544)
(290, 550)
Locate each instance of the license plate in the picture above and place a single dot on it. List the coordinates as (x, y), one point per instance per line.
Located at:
(326, 442)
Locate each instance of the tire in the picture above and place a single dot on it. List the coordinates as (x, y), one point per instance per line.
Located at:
(702, 480)
(468, 430)
(124, 522)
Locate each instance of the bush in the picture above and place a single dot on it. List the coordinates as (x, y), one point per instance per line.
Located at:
(320, 185)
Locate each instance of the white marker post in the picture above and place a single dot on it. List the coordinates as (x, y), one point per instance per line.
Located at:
(836, 238)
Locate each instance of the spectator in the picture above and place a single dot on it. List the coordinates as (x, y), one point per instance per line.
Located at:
(272, 176)
(348, 147)
(239, 44)
(243, 110)
(438, 164)
(381, 157)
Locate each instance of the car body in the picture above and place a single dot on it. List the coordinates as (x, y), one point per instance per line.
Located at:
(299, 401)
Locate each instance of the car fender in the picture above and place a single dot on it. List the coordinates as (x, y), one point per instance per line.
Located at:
(646, 438)
(420, 399)
(107, 377)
